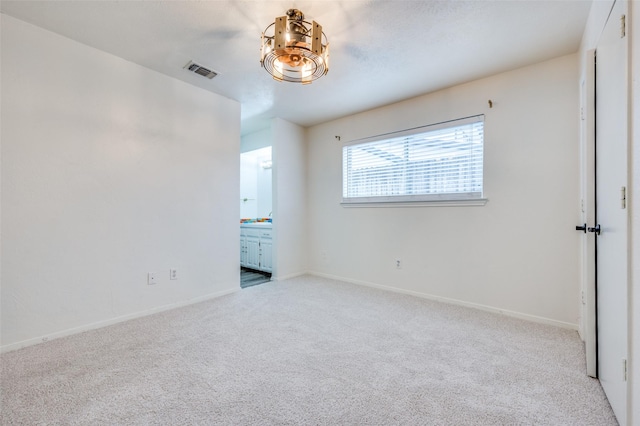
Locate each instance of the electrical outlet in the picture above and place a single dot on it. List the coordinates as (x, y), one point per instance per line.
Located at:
(173, 274)
(151, 278)
(398, 264)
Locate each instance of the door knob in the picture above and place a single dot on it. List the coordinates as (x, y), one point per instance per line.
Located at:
(596, 229)
(582, 228)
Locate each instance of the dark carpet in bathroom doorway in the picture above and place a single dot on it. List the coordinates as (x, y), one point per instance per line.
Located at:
(249, 277)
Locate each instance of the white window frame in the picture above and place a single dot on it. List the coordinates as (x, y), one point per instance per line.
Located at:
(426, 199)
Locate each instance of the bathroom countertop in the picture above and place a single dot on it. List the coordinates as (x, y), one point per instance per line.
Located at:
(256, 225)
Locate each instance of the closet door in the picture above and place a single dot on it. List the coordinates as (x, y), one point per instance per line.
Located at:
(611, 212)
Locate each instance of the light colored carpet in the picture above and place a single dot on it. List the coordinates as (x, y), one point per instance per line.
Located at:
(307, 351)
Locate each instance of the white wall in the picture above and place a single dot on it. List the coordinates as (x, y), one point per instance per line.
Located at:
(289, 152)
(519, 253)
(263, 190)
(109, 171)
(256, 140)
(248, 186)
(255, 184)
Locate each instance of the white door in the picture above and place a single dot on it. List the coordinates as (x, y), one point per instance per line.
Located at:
(611, 212)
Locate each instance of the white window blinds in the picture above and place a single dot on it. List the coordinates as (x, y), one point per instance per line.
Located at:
(431, 163)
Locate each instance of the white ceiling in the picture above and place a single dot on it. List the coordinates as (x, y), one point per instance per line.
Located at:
(382, 51)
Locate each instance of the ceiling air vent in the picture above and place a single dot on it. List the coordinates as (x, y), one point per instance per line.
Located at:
(199, 69)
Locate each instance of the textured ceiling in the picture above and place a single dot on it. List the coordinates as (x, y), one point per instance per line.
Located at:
(381, 51)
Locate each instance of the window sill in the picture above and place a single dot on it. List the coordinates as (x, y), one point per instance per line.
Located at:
(433, 203)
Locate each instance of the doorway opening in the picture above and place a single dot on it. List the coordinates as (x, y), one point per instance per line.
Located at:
(256, 217)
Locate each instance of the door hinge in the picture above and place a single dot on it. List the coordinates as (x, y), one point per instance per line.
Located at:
(623, 197)
(624, 370)
(623, 26)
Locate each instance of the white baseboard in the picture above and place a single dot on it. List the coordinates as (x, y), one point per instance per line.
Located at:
(105, 323)
(287, 277)
(532, 318)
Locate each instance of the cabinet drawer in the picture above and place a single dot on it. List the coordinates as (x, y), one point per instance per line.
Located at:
(249, 232)
(265, 233)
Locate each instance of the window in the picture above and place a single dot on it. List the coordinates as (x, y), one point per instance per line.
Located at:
(440, 162)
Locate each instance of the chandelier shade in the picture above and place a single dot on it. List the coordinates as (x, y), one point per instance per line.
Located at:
(295, 50)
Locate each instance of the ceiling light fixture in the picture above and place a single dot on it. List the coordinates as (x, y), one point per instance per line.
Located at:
(295, 50)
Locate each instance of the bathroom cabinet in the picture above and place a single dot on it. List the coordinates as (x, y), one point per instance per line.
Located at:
(256, 246)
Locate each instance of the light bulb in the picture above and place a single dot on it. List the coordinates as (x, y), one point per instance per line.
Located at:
(278, 67)
(305, 73)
